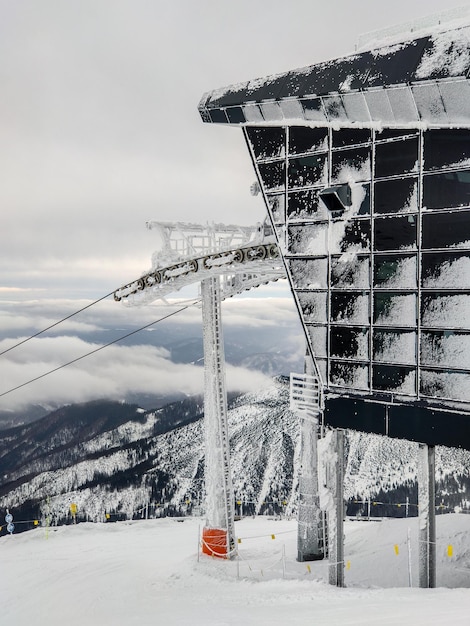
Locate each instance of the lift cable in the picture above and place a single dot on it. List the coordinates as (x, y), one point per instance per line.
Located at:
(161, 319)
(56, 323)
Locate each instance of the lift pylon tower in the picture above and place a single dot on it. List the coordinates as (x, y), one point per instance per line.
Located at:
(218, 537)
(225, 260)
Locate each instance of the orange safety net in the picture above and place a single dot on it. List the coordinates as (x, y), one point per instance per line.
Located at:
(214, 542)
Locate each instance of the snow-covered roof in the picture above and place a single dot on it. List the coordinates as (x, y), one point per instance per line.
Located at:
(423, 80)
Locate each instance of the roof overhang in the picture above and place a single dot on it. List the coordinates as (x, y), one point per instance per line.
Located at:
(424, 81)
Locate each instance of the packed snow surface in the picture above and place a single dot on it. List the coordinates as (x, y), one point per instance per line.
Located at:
(148, 572)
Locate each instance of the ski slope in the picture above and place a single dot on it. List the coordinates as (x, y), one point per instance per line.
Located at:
(148, 572)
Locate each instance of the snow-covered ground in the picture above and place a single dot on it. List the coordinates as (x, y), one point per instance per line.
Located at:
(148, 572)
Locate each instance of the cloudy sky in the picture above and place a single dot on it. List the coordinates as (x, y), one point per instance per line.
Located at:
(99, 132)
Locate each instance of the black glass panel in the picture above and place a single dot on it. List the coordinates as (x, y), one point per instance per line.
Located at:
(306, 204)
(313, 109)
(453, 48)
(356, 234)
(445, 270)
(350, 165)
(395, 271)
(393, 196)
(267, 142)
(314, 306)
(318, 337)
(443, 230)
(273, 174)
(327, 77)
(352, 308)
(308, 239)
(235, 115)
(349, 343)
(393, 378)
(350, 272)
(349, 137)
(230, 96)
(361, 196)
(309, 273)
(445, 310)
(444, 147)
(349, 375)
(218, 116)
(306, 171)
(394, 346)
(303, 139)
(450, 384)
(398, 66)
(267, 89)
(446, 349)
(395, 233)
(396, 157)
(334, 108)
(395, 309)
(448, 190)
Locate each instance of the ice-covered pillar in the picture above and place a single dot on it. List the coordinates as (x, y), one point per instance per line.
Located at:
(331, 476)
(219, 531)
(336, 514)
(427, 516)
(310, 540)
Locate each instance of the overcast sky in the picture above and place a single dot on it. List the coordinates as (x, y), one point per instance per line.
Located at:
(99, 128)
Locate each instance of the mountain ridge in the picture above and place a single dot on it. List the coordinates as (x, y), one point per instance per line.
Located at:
(128, 460)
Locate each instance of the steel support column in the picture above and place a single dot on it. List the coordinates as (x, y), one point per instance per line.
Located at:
(336, 515)
(219, 490)
(427, 516)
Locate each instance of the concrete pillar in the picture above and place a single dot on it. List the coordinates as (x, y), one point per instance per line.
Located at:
(306, 402)
(309, 530)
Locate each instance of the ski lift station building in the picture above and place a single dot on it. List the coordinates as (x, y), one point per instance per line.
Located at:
(364, 166)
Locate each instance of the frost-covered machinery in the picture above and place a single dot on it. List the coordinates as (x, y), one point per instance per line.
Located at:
(364, 165)
(224, 260)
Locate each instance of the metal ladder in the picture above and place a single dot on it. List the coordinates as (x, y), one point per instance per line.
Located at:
(306, 397)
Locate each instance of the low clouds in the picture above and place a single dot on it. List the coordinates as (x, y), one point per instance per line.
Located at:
(146, 366)
(115, 373)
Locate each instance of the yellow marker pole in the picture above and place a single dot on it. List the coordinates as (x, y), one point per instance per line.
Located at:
(397, 549)
(273, 536)
(348, 565)
(450, 551)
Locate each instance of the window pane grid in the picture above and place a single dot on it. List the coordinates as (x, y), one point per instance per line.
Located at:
(382, 286)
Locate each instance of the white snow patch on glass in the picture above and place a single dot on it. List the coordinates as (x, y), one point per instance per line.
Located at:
(452, 274)
(450, 54)
(451, 311)
(453, 385)
(399, 311)
(395, 347)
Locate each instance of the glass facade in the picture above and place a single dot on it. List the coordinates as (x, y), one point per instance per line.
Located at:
(382, 285)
